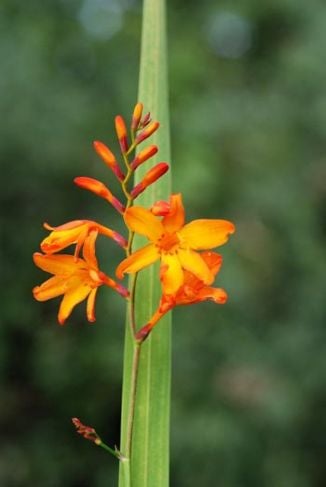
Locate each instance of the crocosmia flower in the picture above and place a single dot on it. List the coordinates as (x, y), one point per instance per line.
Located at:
(75, 232)
(74, 278)
(174, 244)
(192, 291)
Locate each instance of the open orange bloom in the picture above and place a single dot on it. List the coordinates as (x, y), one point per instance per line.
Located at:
(75, 232)
(74, 278)
(174, 243)
(192, 291)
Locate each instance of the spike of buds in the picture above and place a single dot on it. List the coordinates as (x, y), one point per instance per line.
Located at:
(121, 130)
(136, 116)
(147, 132)
(108, 157)
(143, 156)
(100, 190)
(150, 177)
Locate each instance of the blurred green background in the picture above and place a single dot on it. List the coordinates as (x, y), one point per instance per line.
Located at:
(248, 112)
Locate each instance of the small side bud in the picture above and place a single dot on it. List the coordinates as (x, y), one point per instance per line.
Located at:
(121, 130)
(87, 432)
(99, 189)
(143, 156)
(147, 132)
(161, 208)
(108, 157)
(145, 121)
(136, 116)
(150, 177)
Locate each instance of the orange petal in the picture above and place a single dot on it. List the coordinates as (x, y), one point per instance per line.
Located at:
(53, 287)
(174, 220)
(193, 262)
(61, 265)
(141, 220)
(138, 260)
(171, 273)
(90, 307)
(213, 261)
(217, 295)
(75, 295)
(63, 236)
(89, 250)
(206, 234)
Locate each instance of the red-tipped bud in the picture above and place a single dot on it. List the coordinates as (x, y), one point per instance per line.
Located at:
(150, 177)
(147, 132)
(143, 156)
(121, 130)
(136, 116)
(161, 208)
(108, 157)
(100, 190)
(145, 121)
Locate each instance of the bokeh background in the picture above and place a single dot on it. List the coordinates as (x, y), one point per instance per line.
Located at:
(248, 112)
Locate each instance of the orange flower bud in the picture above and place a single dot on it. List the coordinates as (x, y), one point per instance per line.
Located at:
(136, 116)
(147, 132)
(143, 156)
(100, 190)
(108, 157)
(121, 130)
(150, 177)
(161, 208)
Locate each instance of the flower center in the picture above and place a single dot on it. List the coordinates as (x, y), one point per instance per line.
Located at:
(168, 242)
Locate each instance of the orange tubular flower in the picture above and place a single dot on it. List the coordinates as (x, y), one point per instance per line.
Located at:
(75, 232)
(174, 243)
(75, 279)
(150, 177)
(192, 291)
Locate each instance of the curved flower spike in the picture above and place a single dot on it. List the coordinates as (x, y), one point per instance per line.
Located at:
(174, 243)
(76, 232)
(99, 189)
(192, 291)
(75, 279)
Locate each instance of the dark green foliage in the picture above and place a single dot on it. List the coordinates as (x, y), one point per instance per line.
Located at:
(248, 111)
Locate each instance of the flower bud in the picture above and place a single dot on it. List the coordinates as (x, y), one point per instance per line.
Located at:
(136, 116)
(143, 156)
(108, 157)
(150, 177)
(100, 190)
(121, 130)
(147, 132)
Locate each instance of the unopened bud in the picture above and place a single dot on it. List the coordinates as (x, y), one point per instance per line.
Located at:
(136, 116)
(108, 157)
(99, 189)
(147, 132)
(121, 130)
(143, 156)
(150, 177)
(161, 208)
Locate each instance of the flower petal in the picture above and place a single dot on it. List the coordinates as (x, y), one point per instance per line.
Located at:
(213, 261)
(90, 308)
(215, 294)
(76, 294)
(206, 234)
(171, 273)
(53, 287)
(142, 221)
(89, 250)
(174, 220)
(138, 260)
(193, 262)
(61, 265)
(65, 235)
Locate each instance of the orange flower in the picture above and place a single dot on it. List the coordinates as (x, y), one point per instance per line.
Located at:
(174, 243)
(192, 291)
(75, 232)
(74, 278)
